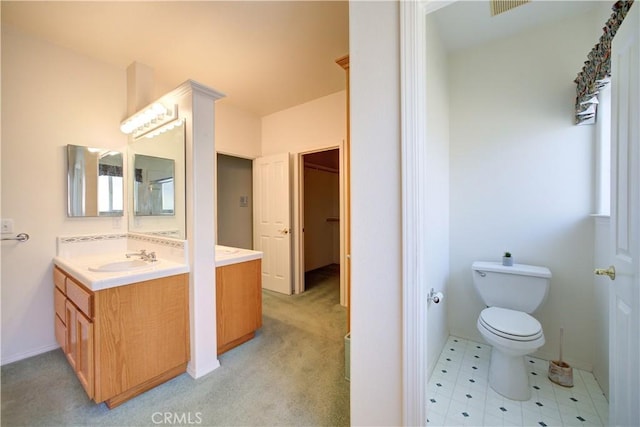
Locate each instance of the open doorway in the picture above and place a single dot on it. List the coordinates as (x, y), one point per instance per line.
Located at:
(234, 182)
(320, 218)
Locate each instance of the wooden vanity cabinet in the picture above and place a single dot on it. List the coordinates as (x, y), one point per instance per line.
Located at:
(123, 340)
(238, 303)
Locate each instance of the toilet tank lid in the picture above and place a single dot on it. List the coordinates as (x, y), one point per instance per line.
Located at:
(521, 269)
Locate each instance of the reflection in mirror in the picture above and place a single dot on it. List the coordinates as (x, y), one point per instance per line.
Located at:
(157, 164)
(94, 182)
(153, 188)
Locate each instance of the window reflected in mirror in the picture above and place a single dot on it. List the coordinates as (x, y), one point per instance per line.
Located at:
(153, 190)
(95, 183)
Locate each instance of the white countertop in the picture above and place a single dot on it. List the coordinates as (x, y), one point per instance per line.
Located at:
(226, 255)
(78, 267)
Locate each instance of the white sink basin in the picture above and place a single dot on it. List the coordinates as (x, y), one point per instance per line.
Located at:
(227, 251)
(129, 265)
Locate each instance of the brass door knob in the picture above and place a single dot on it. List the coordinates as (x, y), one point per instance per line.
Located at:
(611, 272)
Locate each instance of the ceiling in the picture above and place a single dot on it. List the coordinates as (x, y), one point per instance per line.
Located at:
(265, 56)
(465, 24)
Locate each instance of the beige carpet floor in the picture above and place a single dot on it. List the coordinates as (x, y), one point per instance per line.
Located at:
(290, 374)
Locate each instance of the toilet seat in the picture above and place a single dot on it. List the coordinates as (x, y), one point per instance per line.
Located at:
(510, 324)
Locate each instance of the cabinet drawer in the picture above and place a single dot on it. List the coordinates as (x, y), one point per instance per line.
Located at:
(61, 332)
(59, 279)
(82, 298)
(59, 299)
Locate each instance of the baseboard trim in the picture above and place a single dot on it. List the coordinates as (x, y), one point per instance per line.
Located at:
(21, 356)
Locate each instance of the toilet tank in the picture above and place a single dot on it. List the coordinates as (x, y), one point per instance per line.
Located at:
(519, 287)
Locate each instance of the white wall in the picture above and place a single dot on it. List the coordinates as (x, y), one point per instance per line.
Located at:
(522, 177)
(437, 188)
(316, 124)
(46, 95)
(376, 292)
(237, 132)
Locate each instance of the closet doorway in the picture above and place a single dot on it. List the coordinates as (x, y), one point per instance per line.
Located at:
(320, 217)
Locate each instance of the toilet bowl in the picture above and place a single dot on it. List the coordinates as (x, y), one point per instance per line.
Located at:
(510, 293)
(512, 335)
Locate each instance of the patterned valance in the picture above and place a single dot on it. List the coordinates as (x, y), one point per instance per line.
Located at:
(597, 68)
(109, 170)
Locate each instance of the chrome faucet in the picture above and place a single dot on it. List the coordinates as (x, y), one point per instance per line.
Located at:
(144, 256)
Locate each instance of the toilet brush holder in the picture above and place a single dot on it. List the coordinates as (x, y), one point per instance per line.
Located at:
(561, 372)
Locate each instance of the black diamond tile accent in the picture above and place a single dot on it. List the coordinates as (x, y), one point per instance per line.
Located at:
(581, 419)
(531, 361)
(474, 367)
(574, 399)
(471, 380)
(536, 387)
(465, 414)
(455, 340)
(533, 373)
(542, 424)
(469, 396)
(432, 400)
(444, 371)
(439, 385)
(448, 360)
(452, 349)
(478, 346)
(503, 409)
(539, 404)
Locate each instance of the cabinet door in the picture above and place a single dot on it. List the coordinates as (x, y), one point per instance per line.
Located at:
(238, 302)
(84, 366)
(61, 333)
(70, 350)
(79, 348)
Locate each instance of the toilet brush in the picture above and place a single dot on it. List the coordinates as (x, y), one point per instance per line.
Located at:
(561, 372)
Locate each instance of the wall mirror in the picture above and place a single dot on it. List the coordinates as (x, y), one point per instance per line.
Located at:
(156, 184)
(95, 183)
(153, 187)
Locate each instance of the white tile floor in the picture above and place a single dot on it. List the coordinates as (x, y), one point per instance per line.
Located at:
(459, 394)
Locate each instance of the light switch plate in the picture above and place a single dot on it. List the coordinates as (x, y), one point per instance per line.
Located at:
(7, 225)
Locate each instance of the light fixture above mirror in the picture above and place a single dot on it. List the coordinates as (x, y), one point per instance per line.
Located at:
(149, 120)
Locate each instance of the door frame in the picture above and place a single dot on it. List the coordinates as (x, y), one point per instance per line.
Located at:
(298, 218)
(413, 94)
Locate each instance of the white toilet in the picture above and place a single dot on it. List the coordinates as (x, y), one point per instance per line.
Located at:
(510, 293)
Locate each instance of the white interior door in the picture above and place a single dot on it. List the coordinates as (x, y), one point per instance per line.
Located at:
(272, 225)
(624, 308)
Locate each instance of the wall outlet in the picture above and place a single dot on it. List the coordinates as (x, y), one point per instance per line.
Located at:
(244, 201)
(7, 226)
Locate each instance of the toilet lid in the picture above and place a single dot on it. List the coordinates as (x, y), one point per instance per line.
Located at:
(511, 324)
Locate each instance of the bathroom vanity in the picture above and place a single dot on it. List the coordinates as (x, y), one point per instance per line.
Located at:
(123, 340)
(238, 296)
(122, 323)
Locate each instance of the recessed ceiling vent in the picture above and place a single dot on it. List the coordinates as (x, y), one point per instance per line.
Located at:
(501, 6)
